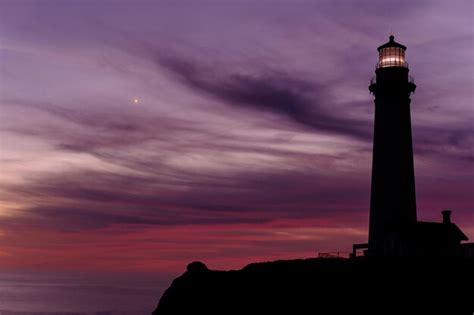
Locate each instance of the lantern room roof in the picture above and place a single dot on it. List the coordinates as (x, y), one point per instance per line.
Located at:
(391, 43)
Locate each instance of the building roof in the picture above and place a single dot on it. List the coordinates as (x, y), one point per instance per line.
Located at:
(437, 231)
(392, 43)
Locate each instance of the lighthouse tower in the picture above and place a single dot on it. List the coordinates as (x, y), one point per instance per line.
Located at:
(393, 201)
(393, 227)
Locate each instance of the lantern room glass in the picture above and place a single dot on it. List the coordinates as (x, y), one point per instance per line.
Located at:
(392, 57)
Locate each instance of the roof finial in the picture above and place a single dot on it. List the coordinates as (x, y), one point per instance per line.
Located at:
(391, 35)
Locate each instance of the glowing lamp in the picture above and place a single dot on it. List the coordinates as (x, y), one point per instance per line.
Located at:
(392, 54)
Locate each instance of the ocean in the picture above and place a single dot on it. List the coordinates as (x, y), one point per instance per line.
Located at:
(61, 294)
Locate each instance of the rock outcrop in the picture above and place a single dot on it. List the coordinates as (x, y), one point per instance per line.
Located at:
(325, 286)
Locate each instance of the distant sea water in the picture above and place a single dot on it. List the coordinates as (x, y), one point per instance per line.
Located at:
(52, 294)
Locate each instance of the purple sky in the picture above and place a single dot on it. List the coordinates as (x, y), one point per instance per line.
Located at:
(138, 136)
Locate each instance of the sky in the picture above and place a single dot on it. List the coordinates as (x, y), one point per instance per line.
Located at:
(138, 136)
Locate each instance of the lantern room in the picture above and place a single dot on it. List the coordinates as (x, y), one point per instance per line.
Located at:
(392, 54)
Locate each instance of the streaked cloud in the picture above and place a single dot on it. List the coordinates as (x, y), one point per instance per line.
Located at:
(252, 133)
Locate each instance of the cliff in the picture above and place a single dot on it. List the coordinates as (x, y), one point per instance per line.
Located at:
(325, 286)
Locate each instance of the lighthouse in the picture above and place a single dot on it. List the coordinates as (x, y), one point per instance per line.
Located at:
(393, 201)
(393, 226)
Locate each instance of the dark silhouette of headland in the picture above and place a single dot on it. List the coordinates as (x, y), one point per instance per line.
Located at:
(407, 266)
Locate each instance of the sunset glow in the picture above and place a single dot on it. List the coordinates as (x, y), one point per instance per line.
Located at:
(251, 138)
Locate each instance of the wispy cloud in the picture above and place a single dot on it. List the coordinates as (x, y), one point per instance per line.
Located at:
(271, 91)
(248, 116)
